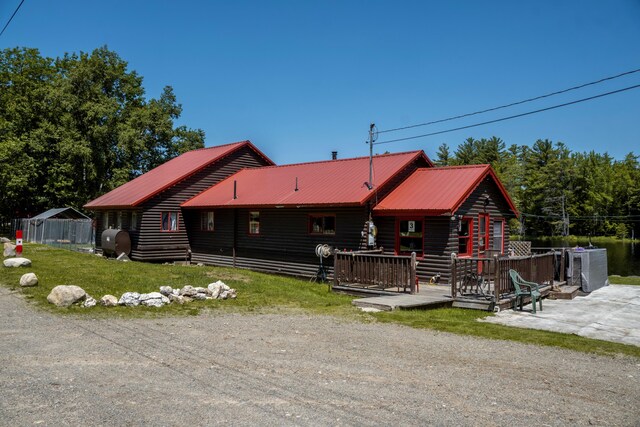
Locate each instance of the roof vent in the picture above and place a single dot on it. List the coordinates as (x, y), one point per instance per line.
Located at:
(334, 155)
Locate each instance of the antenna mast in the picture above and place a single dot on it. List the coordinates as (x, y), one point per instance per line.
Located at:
(371, 127)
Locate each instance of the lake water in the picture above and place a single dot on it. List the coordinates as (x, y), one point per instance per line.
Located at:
(623, 257)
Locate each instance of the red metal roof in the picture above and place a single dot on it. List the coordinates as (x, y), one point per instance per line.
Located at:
(166, 175)
(438, 191)
(332, 182)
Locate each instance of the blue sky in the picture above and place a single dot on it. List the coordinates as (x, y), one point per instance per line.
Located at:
(303, 78)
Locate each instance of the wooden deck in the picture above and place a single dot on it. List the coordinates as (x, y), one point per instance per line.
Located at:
(428, 297)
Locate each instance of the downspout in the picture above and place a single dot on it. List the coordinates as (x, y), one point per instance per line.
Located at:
(235, 235)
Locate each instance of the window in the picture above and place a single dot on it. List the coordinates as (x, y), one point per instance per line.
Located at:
(465, 236)
(322, 224)
(206, 221)
(498, 235)
(410, 236)
(119, 220)
(169, 221)
(254, 222)
(484, 228)
(105, 220)
(134, 221)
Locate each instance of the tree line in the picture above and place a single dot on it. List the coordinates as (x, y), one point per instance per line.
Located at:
(558, 191)
(74, 127)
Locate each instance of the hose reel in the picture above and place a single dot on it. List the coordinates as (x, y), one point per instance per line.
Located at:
(322, 251)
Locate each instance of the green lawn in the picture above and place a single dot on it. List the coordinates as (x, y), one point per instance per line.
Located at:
(99, 276)
(620, 280)
(257, 293)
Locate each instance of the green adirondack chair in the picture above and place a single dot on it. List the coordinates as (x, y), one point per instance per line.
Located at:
(525, 289)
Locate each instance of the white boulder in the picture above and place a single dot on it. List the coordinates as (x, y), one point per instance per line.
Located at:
(9, 250)
(17, 262)
(166, 290)
(179, 299)
(109, 301)
(89, 302)
(153, 299)
(229, 293)
(188, 291)
(130, 299)
(29, 279)
(66, 295)
(217, 288)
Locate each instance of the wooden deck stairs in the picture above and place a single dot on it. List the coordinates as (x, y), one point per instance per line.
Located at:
(564, 291)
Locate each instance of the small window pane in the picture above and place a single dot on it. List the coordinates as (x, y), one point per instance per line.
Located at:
(169, 221)
(329, 225)
(465, 244)
(322, 224)
(134, 221)
(498, 235)
(410, 236)
(254, 222)
(207, 221)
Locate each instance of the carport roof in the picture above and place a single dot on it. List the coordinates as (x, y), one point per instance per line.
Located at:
(62, 213)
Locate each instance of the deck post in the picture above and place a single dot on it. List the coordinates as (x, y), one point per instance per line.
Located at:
(336, 269)
(412, 278)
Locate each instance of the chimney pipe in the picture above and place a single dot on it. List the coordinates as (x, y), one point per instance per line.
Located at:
(235, 189)
(334, 155)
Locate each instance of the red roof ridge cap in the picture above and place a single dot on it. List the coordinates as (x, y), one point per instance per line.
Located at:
(219, 146)
(338, 160)
(478, 166)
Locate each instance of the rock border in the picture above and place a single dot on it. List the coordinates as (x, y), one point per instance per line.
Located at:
(167, 295)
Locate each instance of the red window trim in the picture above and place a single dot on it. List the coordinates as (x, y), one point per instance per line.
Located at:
(397, 235)
(488, 230)
(502, 220)
(318, 215)
(162, 230)
(469, 252)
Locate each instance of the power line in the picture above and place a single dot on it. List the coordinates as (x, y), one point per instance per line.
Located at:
(10, 19)
(510, 117)
(583, 217)
(513, 103)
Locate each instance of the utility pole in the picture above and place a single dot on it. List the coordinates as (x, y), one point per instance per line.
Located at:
(371, 127)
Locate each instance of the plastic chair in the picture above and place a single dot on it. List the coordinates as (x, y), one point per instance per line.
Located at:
(525, 289)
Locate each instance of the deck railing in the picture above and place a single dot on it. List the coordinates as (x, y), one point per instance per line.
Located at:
(489, 277)
(373, 270)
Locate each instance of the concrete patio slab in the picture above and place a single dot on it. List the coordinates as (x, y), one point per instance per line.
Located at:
(611, 313)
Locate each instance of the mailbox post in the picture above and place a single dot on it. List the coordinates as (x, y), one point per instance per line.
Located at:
(18, 242)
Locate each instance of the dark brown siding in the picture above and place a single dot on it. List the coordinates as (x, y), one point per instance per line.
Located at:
(149, 242)
(498, 209)
(284, 243)
(126, 224)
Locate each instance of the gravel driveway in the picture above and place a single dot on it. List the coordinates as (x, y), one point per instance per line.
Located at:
(292, 370)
